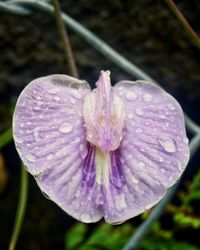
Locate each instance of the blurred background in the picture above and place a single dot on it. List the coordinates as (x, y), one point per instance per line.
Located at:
(148, 34)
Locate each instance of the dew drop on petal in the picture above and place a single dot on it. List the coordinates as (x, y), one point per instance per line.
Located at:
(100, 199)
(162, 170)
(120, 202)
(22, 124)
(54, 90)
(36, 132)
(168, 145)
(57, 98)
(139, 112)
(135, 180)
(65, 127)
(31, 158)
(49, 157)
(185, 140)
(77, 193)
(147, 97)
(72, 100)
(86, 218)
(83, 151)
(138, 130)
(130, 116)
(171, 106)
(141, 164)
(131, 96)
(179, 165)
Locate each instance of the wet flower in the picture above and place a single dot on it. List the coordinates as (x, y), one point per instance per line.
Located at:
(111, 152)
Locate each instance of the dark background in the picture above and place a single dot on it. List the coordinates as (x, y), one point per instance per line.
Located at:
(146, 32)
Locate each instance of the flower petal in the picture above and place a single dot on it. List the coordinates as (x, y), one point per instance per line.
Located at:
(153, 152)
(51, 140)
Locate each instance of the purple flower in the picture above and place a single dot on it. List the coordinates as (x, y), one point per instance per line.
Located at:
(111, 152)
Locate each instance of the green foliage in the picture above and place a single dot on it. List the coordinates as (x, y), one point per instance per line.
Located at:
(110, 237)
(193, 192)
(151, 243)
(187, 220)
(104, 236)
(185, 215)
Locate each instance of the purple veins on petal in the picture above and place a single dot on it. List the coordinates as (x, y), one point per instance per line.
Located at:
(111, 152)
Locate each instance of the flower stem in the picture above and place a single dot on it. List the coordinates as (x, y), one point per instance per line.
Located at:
(21, 208)
(68, 53)
(193, 35)
(6, 137)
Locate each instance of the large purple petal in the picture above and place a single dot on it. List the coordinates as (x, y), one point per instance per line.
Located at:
(153, 152)
(50, 137)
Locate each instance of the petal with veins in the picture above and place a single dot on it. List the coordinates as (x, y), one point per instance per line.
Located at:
(50, 137)
(152, 154)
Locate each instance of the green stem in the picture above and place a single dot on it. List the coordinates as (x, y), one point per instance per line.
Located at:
(6, 137)
(68, 53)
(20, 209)
(193, 35)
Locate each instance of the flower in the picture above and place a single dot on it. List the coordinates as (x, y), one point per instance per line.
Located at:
(111, 152)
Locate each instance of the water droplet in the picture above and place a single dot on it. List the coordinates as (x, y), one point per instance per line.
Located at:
(36, 107)
(139, 112)
(141, 164)
(83, 151)
(31, 157)
(130, 116)
(22, 124)
(147, 97)
(49, 157)
(168, 145)
(54, 90)
(77, 193)
(135, 180)
(56, 98)
(36, 133)
(185, 140)
(179, 165)
(100, 199)
(138, 130)
(120, 202)
(65, 127)
(72, 100)
(171, 106)
(46, 195)
(131, 96)
(77, 94)
(162, 116)
(18, 139)
(162, 170)
(86, 218)
(38, 97)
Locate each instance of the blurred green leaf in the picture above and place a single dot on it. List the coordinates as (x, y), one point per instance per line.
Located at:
(104, 236)
(6, 137)
(75, 236)
(187, 220)
(160, 244)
